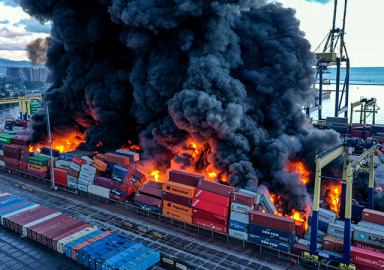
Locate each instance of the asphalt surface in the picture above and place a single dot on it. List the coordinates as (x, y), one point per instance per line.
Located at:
(181, 244)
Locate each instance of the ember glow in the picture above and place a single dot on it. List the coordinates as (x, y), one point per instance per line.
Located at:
(300, 170)
(379, 188)
(334, 194)
(67, 144)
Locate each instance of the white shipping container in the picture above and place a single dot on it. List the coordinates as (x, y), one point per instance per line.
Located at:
(36, 153)
(136, 156)
(267, 204)
(72, 184)
(241, 208)
(353, 226)
(75, 167)
(72, 179)
(238, 234)
(2, 163)
(100, 191)
(369, 236)
(4, 194)
(84, 182)
(62, 164)
(18, 212)
(239, 217)
(65, 241)
(335, 229)
(26, 226)
(326, 216)
(2, 152)
(87, 159)
(88, 169)
(370, 225)
(82, 187)
(308, 243)
(85, 175)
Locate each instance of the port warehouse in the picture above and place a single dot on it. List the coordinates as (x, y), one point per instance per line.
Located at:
(218, 209)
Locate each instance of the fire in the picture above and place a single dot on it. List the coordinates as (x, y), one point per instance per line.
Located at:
(334, 194)
(379, 188)
(223, 179)
(67, 144)
(300, 170)
(31, 149)
(212, 174)
(155, 174)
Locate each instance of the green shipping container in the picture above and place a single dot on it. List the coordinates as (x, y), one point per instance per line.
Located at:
(77, 153)
(9, 132)
(5, 138)
(38, 160)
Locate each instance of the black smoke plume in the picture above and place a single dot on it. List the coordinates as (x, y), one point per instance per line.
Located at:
(37, 50)
(232, 76)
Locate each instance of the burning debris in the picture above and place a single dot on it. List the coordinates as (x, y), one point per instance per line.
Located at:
(210, 87)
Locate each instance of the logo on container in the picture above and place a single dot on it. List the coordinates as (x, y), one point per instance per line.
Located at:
(168, 188)
(169, 204)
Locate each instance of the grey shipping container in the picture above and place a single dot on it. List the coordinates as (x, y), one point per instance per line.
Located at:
(369, 236)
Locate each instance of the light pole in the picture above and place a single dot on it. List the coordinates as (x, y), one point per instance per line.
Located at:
(50, 143)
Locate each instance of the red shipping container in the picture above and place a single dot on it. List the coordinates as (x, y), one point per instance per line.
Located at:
(114, 158)
(11, 148)
(73, 173)
(154, 184)
(2, 158)
(12, 161)
(43, 213)
(78, 160)
(22, 169)
(177, 199)
(369, 247)
(211, 225)
(56, 234)
(272, 221)
(43, 235)
(362, 267)
(31, 231)
(103, 182)
(333, 244)
(12, 155)
(68, 233)
(12, 207)
(59, 180)
(12, 166)
(26, 153)
(216, 188)
(149, 190)
(197, 213)
(23, 164)
(367, 258)
(373, 216)
(21, 142)
(117, 198)
(120, 186)
(299, 227)
(184, 178)
(142, 198)
(210, 207)
(60, 173)
(49, 235)
(212, 197)
(244, 199)
(39, 234)
(36, 173)
(99, 158)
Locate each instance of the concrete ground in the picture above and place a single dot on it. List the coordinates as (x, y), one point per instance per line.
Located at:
(179, 243)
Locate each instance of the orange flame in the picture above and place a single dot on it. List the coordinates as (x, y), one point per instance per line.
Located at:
(300, 170)
(334, 193)
(380, 188)
(67, 144)
(155, 174)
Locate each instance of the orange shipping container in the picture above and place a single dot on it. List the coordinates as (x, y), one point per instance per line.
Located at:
(37, 167)
(179, 189)
(178, 207)
(98, 164)
(177, 215)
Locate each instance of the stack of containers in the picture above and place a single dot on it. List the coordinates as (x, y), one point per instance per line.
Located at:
(60, 176)
(366, 260)
(369, 233)
(272, 230)
(38, 166)
(211, 205)
(326, 217)
(6, 138)
(2, 158)
(149, 197)
(86, 174)
(23, 166)
(177, 196)
(241, 205)
(121, 184)
(138, 179)
(12, 154)
(256, 200)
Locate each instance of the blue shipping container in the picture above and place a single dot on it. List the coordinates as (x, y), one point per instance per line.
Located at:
(11, 203)
(118, 179)
(270, 233)
(110, 165)
(109, 262)
(148, 207)
(67, 156)
(121, 172)
(16, 209)
(283, 246)
(100, 260)
(322, 225)
(121, 194)
(80, 240)
(238, 226)
(85, 249)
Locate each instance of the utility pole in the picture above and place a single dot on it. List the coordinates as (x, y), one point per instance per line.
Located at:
(50, 143)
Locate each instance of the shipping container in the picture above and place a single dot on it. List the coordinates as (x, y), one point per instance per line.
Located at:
(238, 234)
(299, 249)
(75, 167)
(17, 210)
(333, 244)
(47, 151)
(68, 156)
(99, 191)
(336, 230)
(177, 207)
(369, 236)
(369, 247)
(117, 198)
(152, 191)
(267, 204)
(239, 217)
(322, 226)
(121, 172)
(88, 160)
(371, 225)
(154, 184)
(177, 199)
(72, 184)
(60, 180)
(15, 222)
(121, 187)
(103, 182)
(326, 216)
(121, 181)
(238, 226)
(210, 207)
(36, 173)
(38, 160)
(61, 164)
(36, 222)
(11, 166)
(320, 234)
(69, 232)
(367, 258)
(68, 229)
(61, 245)
(90, 177)
(72, 172)
(12, 161)
(72, 247)
(242, 198)
(82, 187)
(271, 233)
(256, 195)
(60, 173)
(178, 189)
(11, 148)
(272, 221)
(84, 182)
(241, 208)
(299, 228)
(88, 169)
(210, 225)
(148, 207)
(271, 243)
(114, 158)
(129, 156)
(184, 178)
(6, 139)
(308, 243)
(119, 193)
(71, 179)
(12, 155)
(21, 142)
(177, 215)
(212, 197)
(43, 235)
(373, 216)
(142, 198)
(217, 188)
(100, 165)
(138, 179)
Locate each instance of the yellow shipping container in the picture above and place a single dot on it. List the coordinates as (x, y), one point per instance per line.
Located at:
(179, 189)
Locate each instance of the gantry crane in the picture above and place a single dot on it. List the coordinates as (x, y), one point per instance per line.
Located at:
(366, 106)
(25, 111)
(349, 168)
(334, 53)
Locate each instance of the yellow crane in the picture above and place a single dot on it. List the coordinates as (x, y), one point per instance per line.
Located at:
(23, 103)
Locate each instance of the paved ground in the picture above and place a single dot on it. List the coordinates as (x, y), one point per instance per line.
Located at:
(183, 245)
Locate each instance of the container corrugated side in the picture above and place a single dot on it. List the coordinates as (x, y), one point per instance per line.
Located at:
(17, 211)
(75, 249)
(210, 207)
(58, 231)
(65, 241)
(367, 258)
(124, 257)
(99, 191)
(32, 231)
(238, 234)
(369, 247)
(97, 258)
(337, 230)
(84, 250)
(271, 233)
(373, 216)
(79, 241)
(33, 223)
(369, 236)
(241, 208)
(272, 221)
(211, 225)
(45, 233)
(238, 226)
(326, 216)
(102, 259)
(239, 217)
(145, 260)
(17, 221)
(44, 213)
(283, 246)
(72, 231)
(212, 197)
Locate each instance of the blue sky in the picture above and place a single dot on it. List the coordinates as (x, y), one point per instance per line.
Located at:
(364, 37)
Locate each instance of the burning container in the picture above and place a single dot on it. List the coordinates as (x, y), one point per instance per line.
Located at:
(267, 204)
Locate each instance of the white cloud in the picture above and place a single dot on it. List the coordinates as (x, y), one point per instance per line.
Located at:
(7, 33)
(32, 25)
(11, 3)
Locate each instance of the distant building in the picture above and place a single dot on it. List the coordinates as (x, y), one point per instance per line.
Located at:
(27, 73)
(15, 73)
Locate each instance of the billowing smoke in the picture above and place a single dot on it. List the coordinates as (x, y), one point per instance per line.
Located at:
(361, 188)
(323, 2)
(231, 76)
(37, 50)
